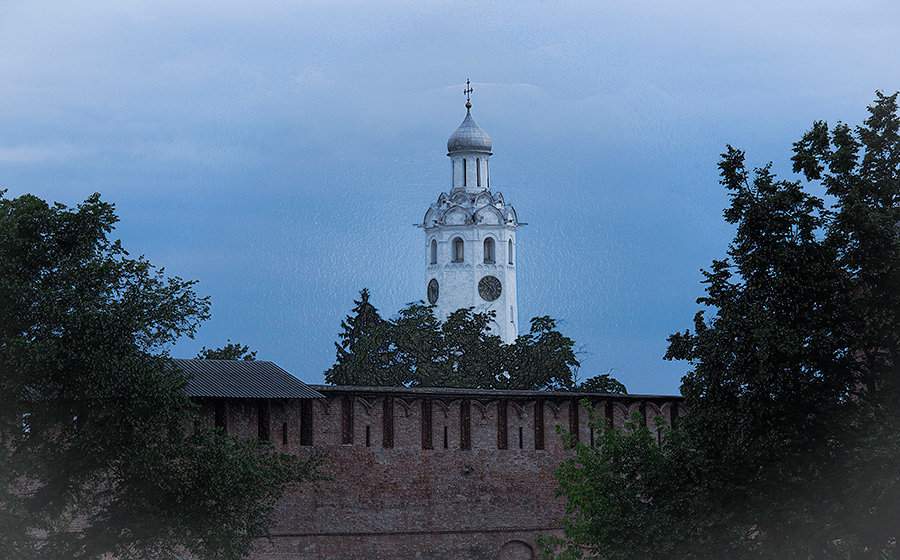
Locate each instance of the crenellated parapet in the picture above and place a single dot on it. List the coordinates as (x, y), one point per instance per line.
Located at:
(416, 472)
(466, 419)
(430, 472)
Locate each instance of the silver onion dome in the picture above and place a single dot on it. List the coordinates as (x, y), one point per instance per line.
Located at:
(469, 137)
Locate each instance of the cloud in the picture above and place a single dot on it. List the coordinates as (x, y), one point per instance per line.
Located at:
(40, 154)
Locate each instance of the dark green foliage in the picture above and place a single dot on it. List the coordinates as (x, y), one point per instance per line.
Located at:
(475, 357)
(790, 448)
(95, 427)
(364, 354)
(603, 383)
(415, 349)
(231, 351)
(420, 347)
(542, 359)
(624, 502)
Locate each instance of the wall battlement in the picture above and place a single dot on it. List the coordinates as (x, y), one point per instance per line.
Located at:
(425, 473)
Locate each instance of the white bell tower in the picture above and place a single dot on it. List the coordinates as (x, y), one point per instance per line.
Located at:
(470, 236)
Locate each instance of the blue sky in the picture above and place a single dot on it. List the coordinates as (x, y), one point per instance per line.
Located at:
(279, 152)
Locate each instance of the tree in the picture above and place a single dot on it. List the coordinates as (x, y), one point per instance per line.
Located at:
(416, 349)
(790, 445)
(421, 347)
(542, 359)
(476, 357)
(231, 351)
(602, 383)
(364, 354)
(100, 452)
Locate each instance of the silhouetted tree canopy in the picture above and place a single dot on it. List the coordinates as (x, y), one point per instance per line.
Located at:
(231, 351)
(416, 349)
(603, 383)
(95, 425)
(364, 353)
(791, 443)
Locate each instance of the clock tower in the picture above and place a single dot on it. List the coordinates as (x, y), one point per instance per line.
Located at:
(470, 237)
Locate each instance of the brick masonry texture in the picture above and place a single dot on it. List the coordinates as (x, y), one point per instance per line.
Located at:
(403, 501)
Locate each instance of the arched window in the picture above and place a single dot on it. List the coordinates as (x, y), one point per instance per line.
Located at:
(464, 172)
(432, 252)
(489, 250)
(478, 171)
(510, 252)
(459, 254)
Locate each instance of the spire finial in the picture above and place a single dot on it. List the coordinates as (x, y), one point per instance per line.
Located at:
(467, 91)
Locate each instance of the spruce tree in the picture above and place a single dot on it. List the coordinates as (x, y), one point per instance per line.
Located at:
(364, 355)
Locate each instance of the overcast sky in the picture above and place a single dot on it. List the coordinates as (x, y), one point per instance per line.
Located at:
(280, 152)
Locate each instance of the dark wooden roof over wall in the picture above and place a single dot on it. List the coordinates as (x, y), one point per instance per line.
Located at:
(243, 379)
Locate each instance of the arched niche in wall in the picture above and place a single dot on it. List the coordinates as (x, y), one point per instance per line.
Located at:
(459, 250)
(489, 250)
(516, 550)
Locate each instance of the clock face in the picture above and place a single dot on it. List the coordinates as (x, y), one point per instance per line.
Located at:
(489, 288)
(433, 291)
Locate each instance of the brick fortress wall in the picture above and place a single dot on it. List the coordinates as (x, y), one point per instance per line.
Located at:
(424, 473)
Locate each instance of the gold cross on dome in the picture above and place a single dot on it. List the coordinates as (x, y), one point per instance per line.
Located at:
(467, 91)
